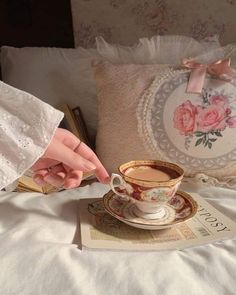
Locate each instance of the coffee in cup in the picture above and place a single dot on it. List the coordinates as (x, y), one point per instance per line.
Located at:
(148, 173)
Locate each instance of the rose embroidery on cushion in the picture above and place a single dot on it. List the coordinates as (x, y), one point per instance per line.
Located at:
(205, 122)
(185, 118)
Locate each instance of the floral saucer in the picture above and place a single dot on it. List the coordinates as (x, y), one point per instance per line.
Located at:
(180, 208)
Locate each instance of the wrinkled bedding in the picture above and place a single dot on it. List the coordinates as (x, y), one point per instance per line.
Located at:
(40, 252)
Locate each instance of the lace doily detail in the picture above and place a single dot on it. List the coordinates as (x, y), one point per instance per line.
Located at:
(26, 127)
(155, 124)
(203, 179)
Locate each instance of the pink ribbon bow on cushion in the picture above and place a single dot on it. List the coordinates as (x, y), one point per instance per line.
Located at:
(221, 69)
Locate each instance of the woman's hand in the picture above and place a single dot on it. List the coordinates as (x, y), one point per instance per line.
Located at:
(65, 160)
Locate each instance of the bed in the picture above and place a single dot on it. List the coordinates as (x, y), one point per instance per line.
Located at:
(40, 252)
(40, 245)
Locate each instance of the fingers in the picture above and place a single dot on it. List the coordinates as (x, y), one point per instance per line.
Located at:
(55, 176)
(66, 148)
(44, 163)
(60, 152)
(88, 154)
(54, 180)
(71, 141)
(38, 179)
(73, 179)
(59, 176)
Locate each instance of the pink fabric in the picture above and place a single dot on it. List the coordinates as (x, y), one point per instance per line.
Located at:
(220, 68)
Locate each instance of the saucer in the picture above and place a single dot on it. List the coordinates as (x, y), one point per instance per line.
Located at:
(180, 208)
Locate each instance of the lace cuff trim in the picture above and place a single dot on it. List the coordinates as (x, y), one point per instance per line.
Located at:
(27, 126)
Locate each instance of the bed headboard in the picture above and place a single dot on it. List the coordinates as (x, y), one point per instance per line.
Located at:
(36, 23)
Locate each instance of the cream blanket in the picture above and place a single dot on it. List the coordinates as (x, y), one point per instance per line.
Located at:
(39, 254)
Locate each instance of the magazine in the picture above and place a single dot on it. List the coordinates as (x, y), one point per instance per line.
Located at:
(100, 230)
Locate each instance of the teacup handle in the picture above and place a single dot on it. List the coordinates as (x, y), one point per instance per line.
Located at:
(117, 181)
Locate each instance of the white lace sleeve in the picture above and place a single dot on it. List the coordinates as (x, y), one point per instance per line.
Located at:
(26, 127)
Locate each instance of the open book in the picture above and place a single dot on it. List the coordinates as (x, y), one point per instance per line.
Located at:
(27, 184)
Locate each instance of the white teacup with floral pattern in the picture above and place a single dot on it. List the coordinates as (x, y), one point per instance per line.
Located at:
(150, 194)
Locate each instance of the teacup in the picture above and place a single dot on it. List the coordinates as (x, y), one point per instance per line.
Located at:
(149, 183)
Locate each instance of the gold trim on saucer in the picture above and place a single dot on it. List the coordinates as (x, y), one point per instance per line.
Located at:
(147, 223)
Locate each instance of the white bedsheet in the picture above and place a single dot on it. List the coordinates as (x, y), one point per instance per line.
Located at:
(39, 254)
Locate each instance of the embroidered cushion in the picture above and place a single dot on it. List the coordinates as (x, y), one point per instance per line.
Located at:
(145, 112)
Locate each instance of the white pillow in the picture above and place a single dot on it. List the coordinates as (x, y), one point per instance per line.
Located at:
(59, 75)
(156, 50)
(55, 75)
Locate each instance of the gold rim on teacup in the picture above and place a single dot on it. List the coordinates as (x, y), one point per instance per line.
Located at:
(150, 195)
(157, 163)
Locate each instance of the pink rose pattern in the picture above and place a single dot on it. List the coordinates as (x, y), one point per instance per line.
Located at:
(206, 121)
(185, 118)
(151, 17)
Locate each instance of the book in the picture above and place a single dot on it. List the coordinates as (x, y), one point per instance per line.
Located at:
(81, 125)
(100, 230)
(74, 122)
(27, 184)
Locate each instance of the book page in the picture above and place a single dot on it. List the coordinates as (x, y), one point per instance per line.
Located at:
(102, 231)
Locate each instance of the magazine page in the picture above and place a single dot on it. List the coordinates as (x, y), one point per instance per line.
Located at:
(100, 230)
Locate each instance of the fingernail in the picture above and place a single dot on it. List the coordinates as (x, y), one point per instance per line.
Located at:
(90, 166)
(39, 181)
(53, 180)
(49, 178)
